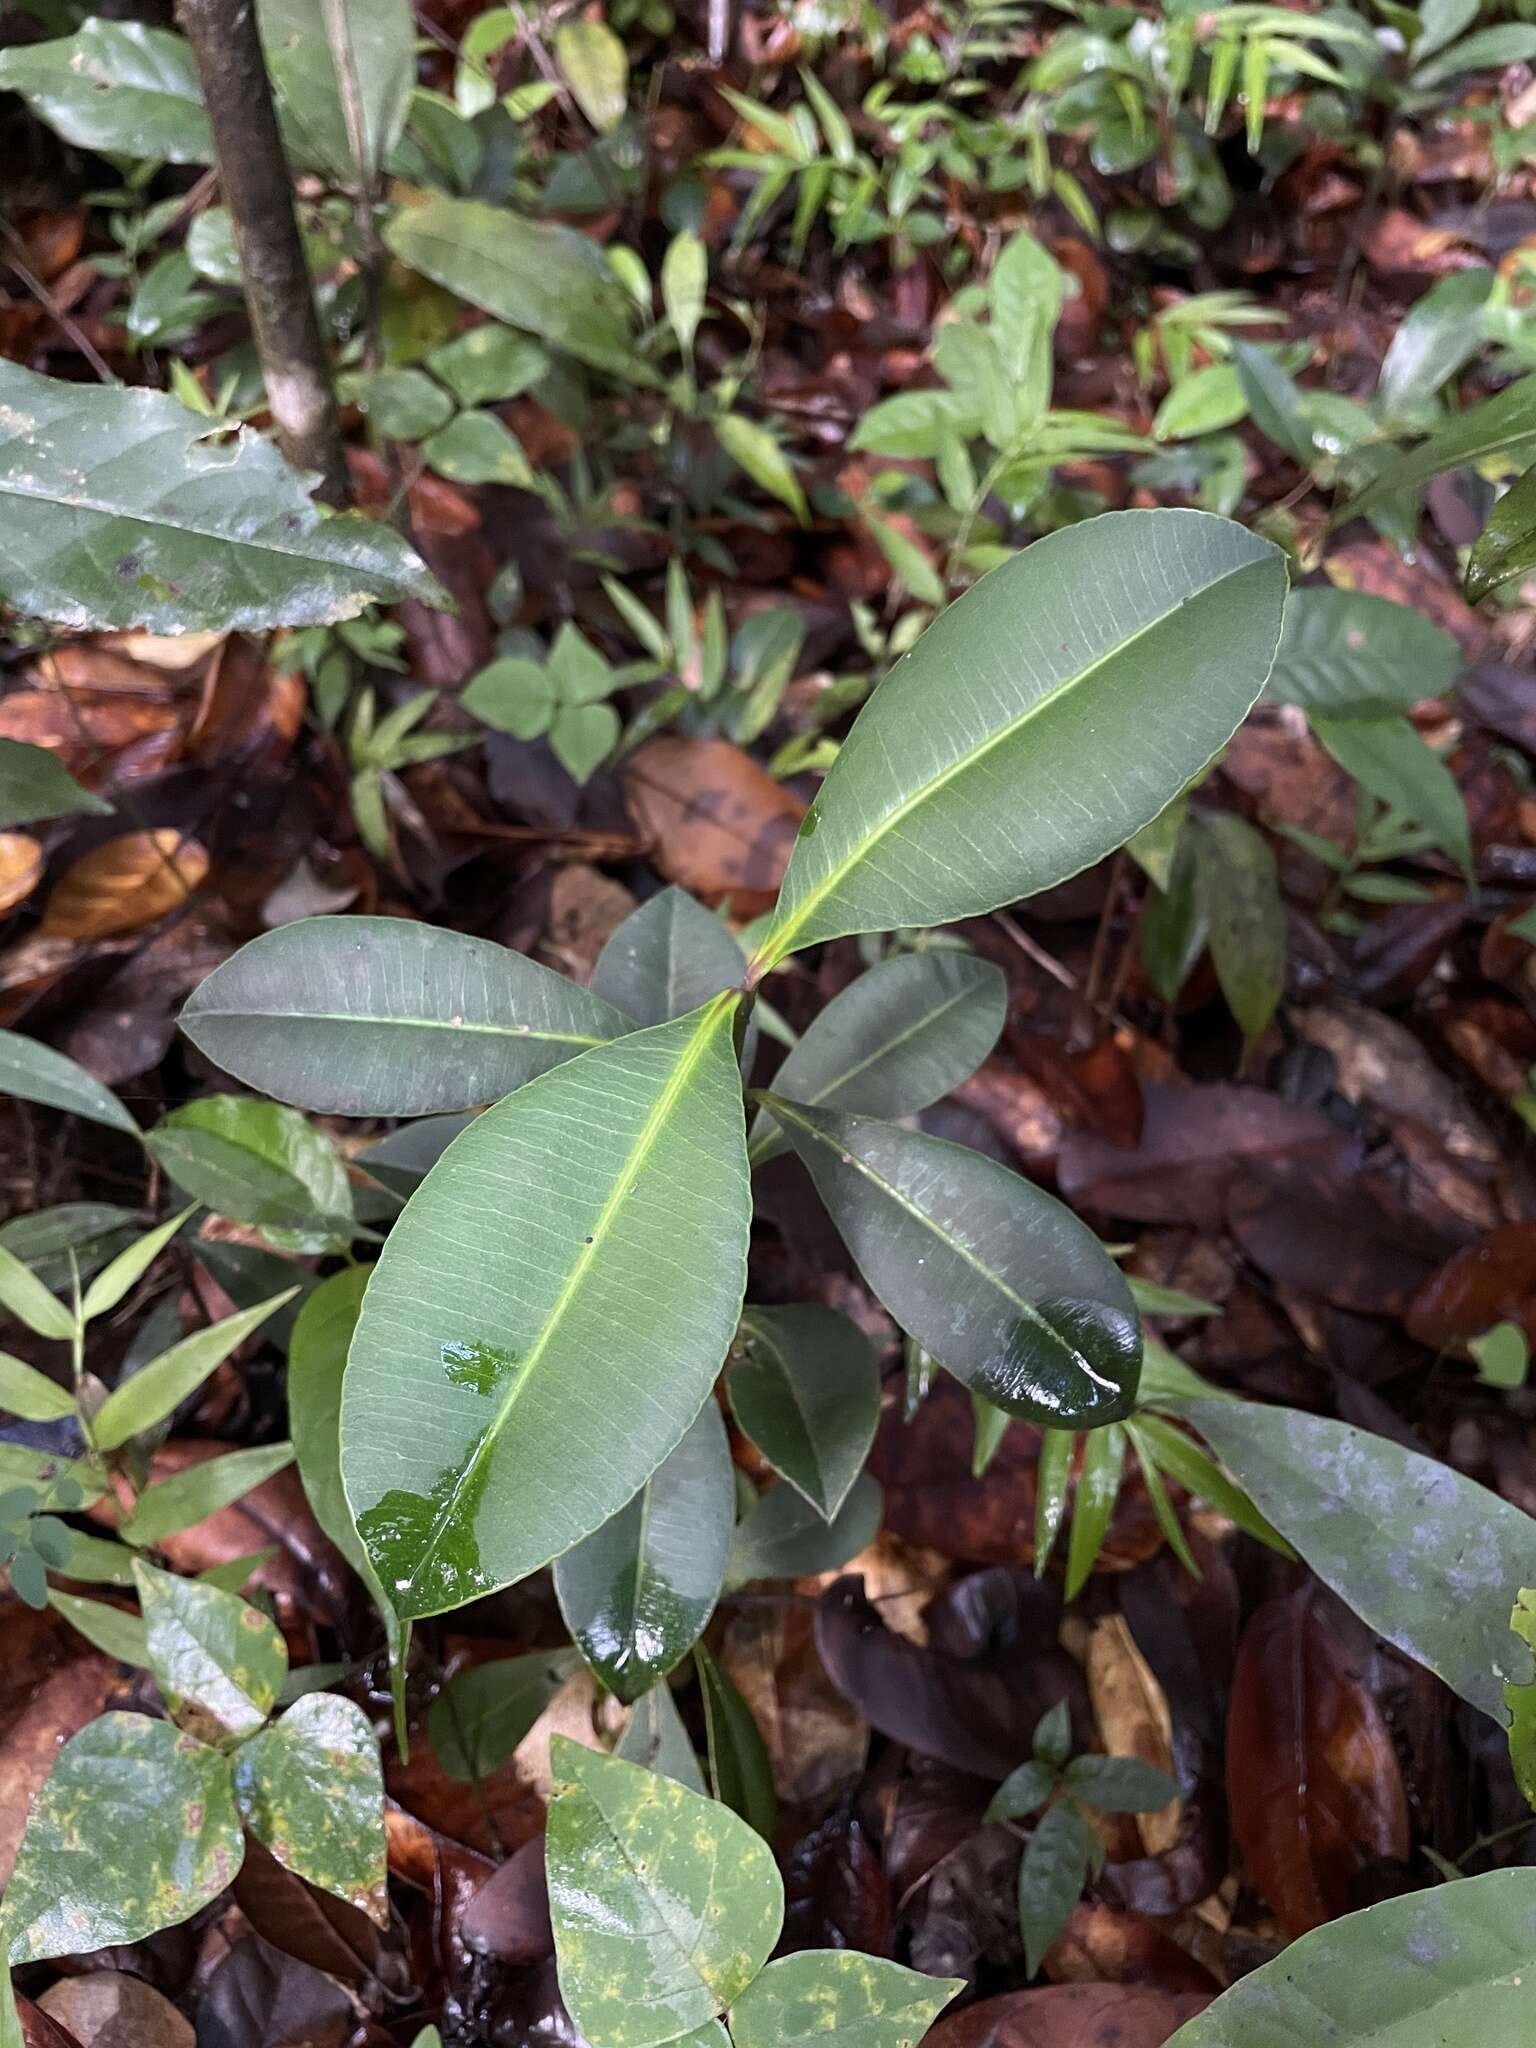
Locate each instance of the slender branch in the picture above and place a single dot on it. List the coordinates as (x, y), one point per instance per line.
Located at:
(258, 190)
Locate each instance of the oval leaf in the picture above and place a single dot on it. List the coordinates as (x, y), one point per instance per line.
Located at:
(574, 1261)
(784, 1537)
(1000, 1282)
(34, 783)
(376, 1016)
(311, 1787)
(1012, 746)
(211, 1651)
(256, 1162)
(115, 86)
(37, 1073)
(806, 1388)
(1343, 651)
(666, 958)
(862, 2000)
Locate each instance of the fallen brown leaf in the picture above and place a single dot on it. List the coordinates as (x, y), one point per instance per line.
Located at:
(129, 882)
(21, 869)
(1071, 2016)
(718, 823)
(1133, 1718)
(109, 2009)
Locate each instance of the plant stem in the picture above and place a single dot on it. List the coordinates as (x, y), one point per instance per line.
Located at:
(258, 191)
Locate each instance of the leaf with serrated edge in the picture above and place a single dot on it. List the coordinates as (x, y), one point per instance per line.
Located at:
(543, 1283)
(311, 1787)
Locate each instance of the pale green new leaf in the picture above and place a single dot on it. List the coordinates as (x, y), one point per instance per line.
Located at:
(1440, 334)
(752, 448)
(30, 1394)
(596, 68)
(28, 1300)
(156, 1390)
(112, 1630)
(379, 1016)
(549, 1313)
(115, 86)
(861, 2001)
(34, 783)
(201, 1490)
(123, 508)
(129, 1267)
(1051, 712)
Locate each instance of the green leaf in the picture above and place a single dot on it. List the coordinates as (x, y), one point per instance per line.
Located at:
(134, 1831)
(1439, 335)
(1280, 407)
(514, 695)
(862, 2001)
(1506, 547)
(29, 1300)
(544, 1279)
(1023, 1792)
(71, 1237)
(1521, 1702)
(1120, 1784)
(665, 1905)
(31, 1395)
(752, 448)
(545, 280)
(403, 405)
(739, 1768)
(1451, 1964)
(1204, 402)
(118, 87)
(1007, 751)
(1502, 1355)
(1508, 42)
(34, 783)
(157, 1389)
(92, 1561)
(257, 1162)
(1159, 1443)
(482, 1714)
(37, 1073)
(125, 509)
(112, 1630)
(1098, 1488)
(59, 1482)
(637, 1592)
(489, 364)
(201, 1490)
(1051, 1878)
(317, 1358)
(129, 1267)
(654, 1737)
(1392, 760)
(595, 65)
(478, 448)
(1244, 918)
(667, 958)
(1053, 1476)
(1343, 651)
(913, 570)
(785, 1537)
(378, 1016)
(900, 1037)
(583, 736)
(806, 1389)
(1440, 21)
(999, 1281)
(306, 76)
(684, 284)
(1424, 1556)
(211, 1651)
(311, 1787)
(1504, 424)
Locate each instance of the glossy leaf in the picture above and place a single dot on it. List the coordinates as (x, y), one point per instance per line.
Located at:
(1051, 1877)
(201, 1490)
(211, 1652)
(156, 1390)
(861, 2001)
(1504, 424)
(895, 1040)
(739, 1766)
(666, 958)
(999, 1281)
(637, 1592)
(665, 1905)
(806, 1389)
(115, 86)
(1450, 1964)
(31, 1395)
(1098, 1488)
(544, 1281)
(483, 1713)
(1244, 918)
(256, 1162)
(1344, 651)
(1424, 1556)
(311, 1787)
(545, 280)
(134, 1831)
(1506, 547)
(785, 1537)
(34, 783)
(378, 1016)
(125, 509)
(296, 38)
(1008, 750)
(1391, 759)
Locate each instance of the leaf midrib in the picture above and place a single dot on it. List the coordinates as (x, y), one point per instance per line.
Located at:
(718, 1013)
(782, 940)
(517, 1033)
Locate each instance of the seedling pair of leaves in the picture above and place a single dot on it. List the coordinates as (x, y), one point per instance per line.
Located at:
(442, 406)
(741, 676)
(563, 697)
(141, 1822)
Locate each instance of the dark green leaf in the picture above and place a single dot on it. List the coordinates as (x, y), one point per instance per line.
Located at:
(1504, 424)
(1507, 42)
(666, 958)
(543, 1285)
(784, 1537)
(806, 1389)
(115, 86)
(135, 1830)
(211, 1651)
(378, 1016)
(738, 1758)
(37, 1073)
(1120, 1784)
(482, 1714)
(1393, 761)
(1173, 927)
(1023, 1792)
(1051, 1879)
(381, 58)
(637, 1592)
(312, 1789)
(1052, 1739)
(1506, 547)
(1343, 651)
(122, 508)
(665, 1905)
(999, 1281)
(654, 1737)
(860, 2001)
(157, 1389)
(201, 1490)
(317, 1358)
(1244, 917)
(257, 1162)
(34, 783)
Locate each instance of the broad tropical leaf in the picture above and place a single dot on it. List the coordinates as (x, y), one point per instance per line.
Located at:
(115, 86)
(1452, 1964)
(1345, 651)
(997, 1280)
(376, 1016)
(312, 1789)
(549, 1313)
(122, 508)
(1039, 722)
(665, 1905)
(666, 958)
(862, 2001)
(806, 1388)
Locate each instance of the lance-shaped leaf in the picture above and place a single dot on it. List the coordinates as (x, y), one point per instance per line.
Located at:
(1039, 722)
(1504, 424)
(1343, 651)
(549, 1313)
(806, 1388)
(37, 1073)
(1506, 547)
(189, 1497)
(311, 1787)
(997, 1280)
(665, 1905)
(1452, 1964)
(376, 1016)
(211, 1652)
(895, 1040)
(34, 783)
(862, 2001)
(30, 1394)
(637, 1592)
(135, 1830)
(666, 958)
(159, 1387)
(297, 38)
(123, 508)
(1424, 1556)
(115, 86)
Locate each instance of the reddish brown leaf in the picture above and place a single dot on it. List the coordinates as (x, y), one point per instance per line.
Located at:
(1071, 2016)
(38, 2030)
(1100, 1945)
(109, 2009)
(313, 1925)
(509, 1916)
(1488, 1283)
(836, 1894)
(718, 823)
(125, 884)
(1313, 1782)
